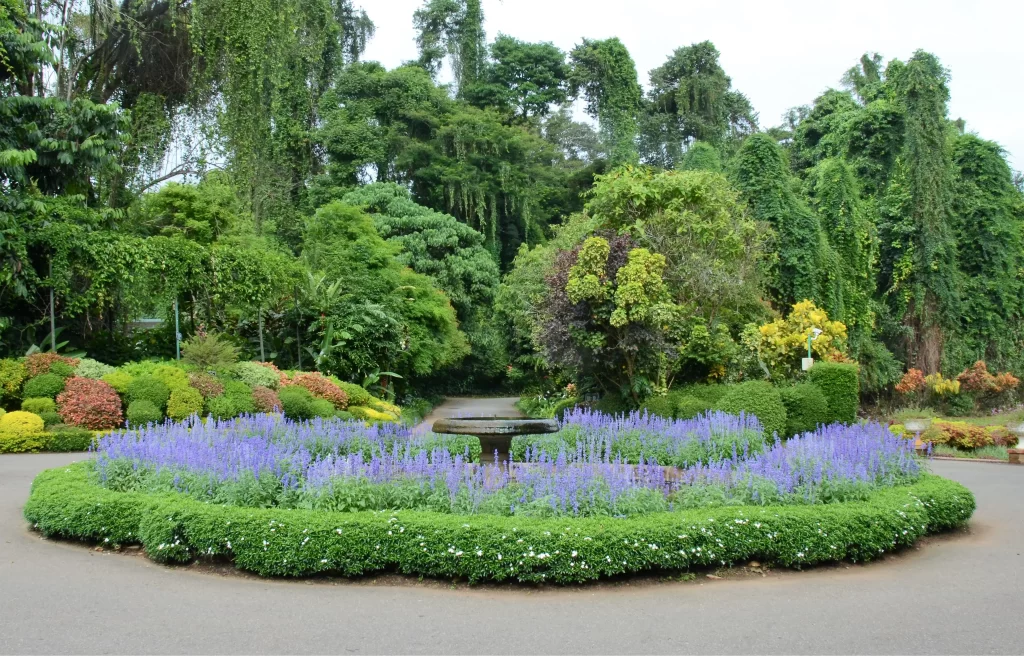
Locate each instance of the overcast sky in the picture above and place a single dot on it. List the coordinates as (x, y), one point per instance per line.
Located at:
(780, 54)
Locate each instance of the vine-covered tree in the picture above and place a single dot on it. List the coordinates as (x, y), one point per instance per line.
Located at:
(604, 72)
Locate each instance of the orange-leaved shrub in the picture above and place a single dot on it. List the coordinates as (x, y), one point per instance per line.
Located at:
(90, 404)
(958, 434)
(322, 388)
(912, 383)
(40, 363)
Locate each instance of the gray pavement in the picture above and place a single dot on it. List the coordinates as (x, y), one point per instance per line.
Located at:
(956, 594)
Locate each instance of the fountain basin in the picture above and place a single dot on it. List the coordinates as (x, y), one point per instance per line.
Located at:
(495, 433)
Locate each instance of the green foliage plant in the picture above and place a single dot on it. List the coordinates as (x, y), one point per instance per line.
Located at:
(151, 389)
(119, 380)
(89, 368)
(39, 405)
(296, 403)
(255, 375)
(44, 385)
(688, 407)
(184, 403)
(142, 412)
(758, 398)
(208, 350)
(660, 406)
(67, 502)
(12, 374)
(840, 384)
(806, 408)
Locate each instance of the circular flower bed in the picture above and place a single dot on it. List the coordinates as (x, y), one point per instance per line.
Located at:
(295, 499)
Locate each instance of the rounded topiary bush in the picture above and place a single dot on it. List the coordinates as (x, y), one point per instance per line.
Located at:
(142, 412)
(612, 404)
(356, 394)
(89, 368)
(119, 380)
(806, 408)
(43, 386)
(322, 408)
(841, 385)
(240, 395)
(710, 394)
(564, 407)
(21, 424)
(184, 403)
(688, 407)
(173, 377)
(266, 400)
(206, 384)
(62, 369)
(149, 388)
(90, 404)
(321, 387)
(256, 375)
(659, 406)
(51, 418)
(296, 403)
(12, 375)
(758, 398)
(38, 405)
(222, 407)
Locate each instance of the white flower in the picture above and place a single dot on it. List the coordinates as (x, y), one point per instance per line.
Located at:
(573, 554)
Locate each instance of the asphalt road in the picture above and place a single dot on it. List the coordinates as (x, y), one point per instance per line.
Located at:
(962, 593)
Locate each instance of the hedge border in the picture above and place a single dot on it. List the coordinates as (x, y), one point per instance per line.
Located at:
(66, 502)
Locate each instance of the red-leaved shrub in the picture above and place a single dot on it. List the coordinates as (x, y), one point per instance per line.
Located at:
(322, 388)
(977, 379)
(90, 404)
(40, 363)
(206, 385)
(265, 399)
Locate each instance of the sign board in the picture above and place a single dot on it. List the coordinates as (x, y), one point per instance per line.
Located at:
(807, 363)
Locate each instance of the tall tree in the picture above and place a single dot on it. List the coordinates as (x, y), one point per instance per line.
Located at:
(453, 29)
(604, 72)
(692, 99)
(523, 79)
(927, 298)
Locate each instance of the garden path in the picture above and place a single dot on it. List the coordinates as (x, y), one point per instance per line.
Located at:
(955, 594)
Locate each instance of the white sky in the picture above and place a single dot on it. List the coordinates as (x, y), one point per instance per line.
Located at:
(780, 54)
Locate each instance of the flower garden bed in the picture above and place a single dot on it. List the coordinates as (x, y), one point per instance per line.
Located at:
(283, 498)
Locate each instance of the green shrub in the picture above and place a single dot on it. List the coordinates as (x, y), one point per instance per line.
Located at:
(43, 386)
(222, 407)
(209, 351)
(322, 408)
(184, 403)
(659, 406)
(63, 439)
(356, 394)
(612, 404)
(89, 368)
(142, 412)
(50, 418)
(149, 388)
(12, 375)
(240, 395)
(119, 380)
(173, 377)
(38, 405)
(370, 414)
(758, 398)
(688, 407)
(841, 385)
(62, 369)
(960, 405)
(296, 402)
(256, 375)
(344, 415)
(564, 407)
(806, 408)
(20, 423)
(710, 394)
(67, 502)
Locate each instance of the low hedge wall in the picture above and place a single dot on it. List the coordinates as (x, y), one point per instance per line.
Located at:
(66, 502)
(59, 441)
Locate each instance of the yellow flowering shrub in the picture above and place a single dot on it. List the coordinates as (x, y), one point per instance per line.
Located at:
(942, 387)
(782, 343)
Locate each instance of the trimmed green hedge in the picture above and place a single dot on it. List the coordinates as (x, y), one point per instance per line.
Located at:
(806, 408)
(841, 385)
(758, 398)
(61, 440)
(65, 502)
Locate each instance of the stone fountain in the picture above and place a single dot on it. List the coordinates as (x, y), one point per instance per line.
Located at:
(495, 433)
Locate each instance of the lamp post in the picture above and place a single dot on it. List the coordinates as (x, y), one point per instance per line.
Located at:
(808, 362)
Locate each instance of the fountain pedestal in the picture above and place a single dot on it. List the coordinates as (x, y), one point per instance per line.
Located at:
(495, 433)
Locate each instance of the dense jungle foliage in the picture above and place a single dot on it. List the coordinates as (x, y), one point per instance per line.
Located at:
(239, 162)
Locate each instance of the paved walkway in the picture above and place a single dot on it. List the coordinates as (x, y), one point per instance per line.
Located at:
(958, 594)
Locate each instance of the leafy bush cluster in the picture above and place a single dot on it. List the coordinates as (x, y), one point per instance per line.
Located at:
(44, 363)
(68, 503)
(974, 389)
(90, 404)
